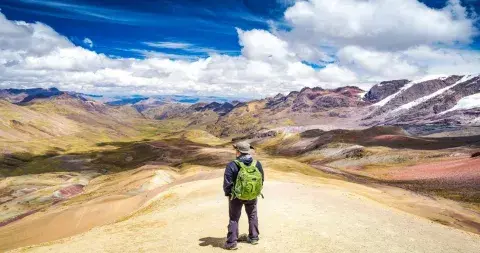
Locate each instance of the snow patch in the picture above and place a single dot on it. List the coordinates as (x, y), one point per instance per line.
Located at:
(475, 122)
(468, 102)
(416, 102)
(407, 86)
(362, 95)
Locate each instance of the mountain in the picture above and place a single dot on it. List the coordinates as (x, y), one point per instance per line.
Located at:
(442, 101)
(317, 99)
(127, 101)
(220, 109)
(424, 106)
(144, 102)
(429, 101)
(26, 95)
(325, 108)
(199, 115)
(63, 154)
(65, 122)
(384, 89)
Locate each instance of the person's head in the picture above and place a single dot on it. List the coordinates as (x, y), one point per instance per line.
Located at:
(242, 148)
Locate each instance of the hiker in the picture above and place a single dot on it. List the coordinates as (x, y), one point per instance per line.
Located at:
(242, 184)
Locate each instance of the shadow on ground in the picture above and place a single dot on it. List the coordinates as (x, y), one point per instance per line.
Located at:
(123, 156)
(392, 137)
(214, 242)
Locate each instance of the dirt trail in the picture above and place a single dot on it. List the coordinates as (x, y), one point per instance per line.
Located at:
(307, 217)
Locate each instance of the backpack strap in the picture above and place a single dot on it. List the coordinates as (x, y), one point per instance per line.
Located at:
(240, 164)
(237, 162)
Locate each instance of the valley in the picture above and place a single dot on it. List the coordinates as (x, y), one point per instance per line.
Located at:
(397, 164)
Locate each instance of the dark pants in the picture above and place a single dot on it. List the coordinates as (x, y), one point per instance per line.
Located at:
(235, 210)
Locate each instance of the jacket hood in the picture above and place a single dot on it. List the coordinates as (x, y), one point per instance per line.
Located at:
(246, 159)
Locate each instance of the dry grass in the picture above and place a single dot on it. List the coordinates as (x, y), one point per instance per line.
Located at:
(292, 166)
(200, 137)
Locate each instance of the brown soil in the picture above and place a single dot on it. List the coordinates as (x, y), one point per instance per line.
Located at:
(455, 170)
(294, 217)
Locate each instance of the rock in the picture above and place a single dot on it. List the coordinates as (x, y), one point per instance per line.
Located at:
(15, 123)
(354, 152)
(69, 191)
(261, 135)
(476, 154)
(221, 109)
(384, 89)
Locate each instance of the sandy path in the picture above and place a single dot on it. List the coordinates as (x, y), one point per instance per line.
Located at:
(192, 217)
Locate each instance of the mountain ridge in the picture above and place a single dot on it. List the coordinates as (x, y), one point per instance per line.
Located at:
(430, 100)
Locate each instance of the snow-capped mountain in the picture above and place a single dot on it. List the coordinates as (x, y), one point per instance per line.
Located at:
(448, 99)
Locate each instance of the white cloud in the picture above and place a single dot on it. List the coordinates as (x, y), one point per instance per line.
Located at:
(365, 41)
(414, 62)
(375, 40)
(42, 57)
(168, 44)
(445, 60)
(262, 45)
(375, 63)
(182, 46)
(337, 75)
(88, 42)
(29, 38)
(379, 24)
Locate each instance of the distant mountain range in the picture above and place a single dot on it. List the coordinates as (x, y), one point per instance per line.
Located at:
(20, 96)
(443, 101)
(158, 99)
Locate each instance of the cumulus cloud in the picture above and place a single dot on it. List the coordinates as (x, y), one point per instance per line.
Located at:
(35, 55)
(377, 63)
(445, 60)
(262, 45)
(374, 40)
(337, 75)
(411, 63)
(355, 42)
(379, 24)
(29, 39)
(88, 42)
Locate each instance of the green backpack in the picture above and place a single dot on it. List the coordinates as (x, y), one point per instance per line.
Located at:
(249, 183)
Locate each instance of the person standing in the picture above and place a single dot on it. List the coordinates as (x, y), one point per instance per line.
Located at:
(242, 184)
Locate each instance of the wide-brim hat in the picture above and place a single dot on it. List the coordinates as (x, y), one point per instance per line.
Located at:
(243, 147)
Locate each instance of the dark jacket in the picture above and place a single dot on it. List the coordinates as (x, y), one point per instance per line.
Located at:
(231, 172)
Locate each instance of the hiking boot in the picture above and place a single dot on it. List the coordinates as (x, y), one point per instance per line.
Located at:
(252, 241)
(245, 238)
(230, 247)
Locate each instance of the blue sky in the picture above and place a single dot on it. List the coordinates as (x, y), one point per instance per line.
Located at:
(252, 48)
(117, 26)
